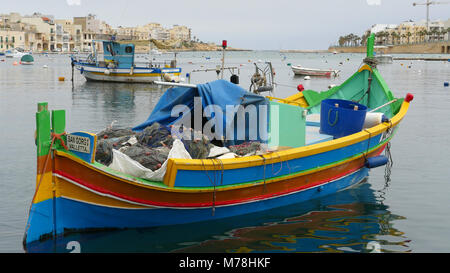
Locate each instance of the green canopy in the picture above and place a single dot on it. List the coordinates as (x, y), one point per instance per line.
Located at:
(27, 58)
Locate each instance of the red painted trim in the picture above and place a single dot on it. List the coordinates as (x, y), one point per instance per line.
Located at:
(208, 204)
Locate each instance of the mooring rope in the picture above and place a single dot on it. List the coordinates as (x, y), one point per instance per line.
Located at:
(42, 172)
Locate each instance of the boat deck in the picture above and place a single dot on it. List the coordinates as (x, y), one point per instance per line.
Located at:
(312, 134)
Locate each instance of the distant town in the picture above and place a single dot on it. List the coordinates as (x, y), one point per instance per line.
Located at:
(43, 33)
(410, 36)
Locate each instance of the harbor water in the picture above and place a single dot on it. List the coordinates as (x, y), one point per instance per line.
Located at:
(409, 213)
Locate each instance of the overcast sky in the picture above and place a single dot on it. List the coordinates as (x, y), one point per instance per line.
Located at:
(252, 24)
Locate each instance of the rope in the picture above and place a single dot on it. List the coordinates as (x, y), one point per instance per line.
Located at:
(368, 145)
(54, 137)
(213, 181)
(390, 163)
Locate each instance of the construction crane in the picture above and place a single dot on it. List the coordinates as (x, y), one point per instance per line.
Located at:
(428, 3)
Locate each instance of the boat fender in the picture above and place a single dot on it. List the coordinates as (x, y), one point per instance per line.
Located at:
(107, 72)
(376, 161)
(131, 70)
(373, 119)
(234, 79)
(82, 70)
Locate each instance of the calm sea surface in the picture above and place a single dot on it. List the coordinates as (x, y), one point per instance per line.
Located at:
(411, 213)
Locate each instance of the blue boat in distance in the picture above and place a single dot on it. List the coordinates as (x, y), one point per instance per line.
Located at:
(115, 62)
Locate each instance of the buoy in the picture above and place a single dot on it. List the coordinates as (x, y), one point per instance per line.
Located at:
(409, 97)
(376, 161)
(446, 84)
(44, 66)
(61, 79)
(300, 88)
(14, 63)
(288, 64)
(307, 78)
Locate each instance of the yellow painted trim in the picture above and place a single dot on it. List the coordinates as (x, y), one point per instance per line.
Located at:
(45, 190)
(235, 163)
(285, 101)
(132, 75)
(75, 192)
(198, 164)
(365, 67)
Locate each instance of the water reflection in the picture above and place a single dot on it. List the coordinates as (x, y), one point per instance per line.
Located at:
(101, 103)
(344, 222)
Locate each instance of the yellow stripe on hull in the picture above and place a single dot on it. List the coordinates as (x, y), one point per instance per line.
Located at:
(134, 75)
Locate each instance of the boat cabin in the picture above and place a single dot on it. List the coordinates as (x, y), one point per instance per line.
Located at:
(120, 55)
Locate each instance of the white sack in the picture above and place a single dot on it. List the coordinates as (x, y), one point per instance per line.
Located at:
(123, 163)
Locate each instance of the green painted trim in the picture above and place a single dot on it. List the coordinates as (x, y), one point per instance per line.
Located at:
(59, 126)
(43, 133)
(370, 44)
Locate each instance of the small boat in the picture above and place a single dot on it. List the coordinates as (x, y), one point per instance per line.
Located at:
(15, 53)
(117, 64)
(9, 54)
(27, 59)
(380, 55)
(299, 70)
(305, 158)
(384, 59)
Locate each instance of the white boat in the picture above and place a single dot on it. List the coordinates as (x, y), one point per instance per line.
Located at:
(9, 54)
(15, 53)
(384, 59)
(117, 64)
(381, 56)
(298, 70)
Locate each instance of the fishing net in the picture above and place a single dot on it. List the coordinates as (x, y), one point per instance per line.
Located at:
(151, 146)
(197, 144)
(115, 132)
(103, 152)
(151, 158)
(155, 135)
(246, 148)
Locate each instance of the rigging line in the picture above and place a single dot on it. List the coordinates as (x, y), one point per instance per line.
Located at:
(281, 166)
(214, 189)
(368, 144)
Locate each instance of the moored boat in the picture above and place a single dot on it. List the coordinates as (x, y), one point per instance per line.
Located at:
(116, 63)
(299, 70)
(9, 54)
(27, 59)
(74, 192)
(384, 59)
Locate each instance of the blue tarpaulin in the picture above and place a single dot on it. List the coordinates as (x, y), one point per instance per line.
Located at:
(218, 100)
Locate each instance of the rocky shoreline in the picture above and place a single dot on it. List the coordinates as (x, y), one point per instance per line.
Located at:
(177, 46)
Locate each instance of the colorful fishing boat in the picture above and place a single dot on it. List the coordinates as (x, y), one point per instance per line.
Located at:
(299, 70)
(305, 159)
(115, 62)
